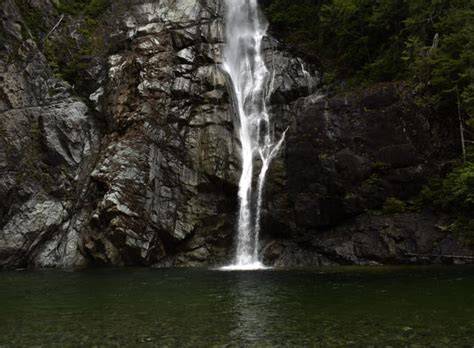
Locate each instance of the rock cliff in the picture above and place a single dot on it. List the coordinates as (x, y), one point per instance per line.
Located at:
(135, 160)
(353, 168)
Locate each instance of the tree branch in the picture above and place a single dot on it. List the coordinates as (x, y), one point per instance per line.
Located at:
(55, 27)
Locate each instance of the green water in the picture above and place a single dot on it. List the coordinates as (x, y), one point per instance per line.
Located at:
(200, 308)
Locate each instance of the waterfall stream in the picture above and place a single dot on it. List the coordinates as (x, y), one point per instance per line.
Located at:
(244, 63)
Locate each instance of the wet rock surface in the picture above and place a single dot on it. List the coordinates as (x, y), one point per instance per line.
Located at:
(139, 163)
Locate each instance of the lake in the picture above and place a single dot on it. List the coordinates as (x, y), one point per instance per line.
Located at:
(340, 306)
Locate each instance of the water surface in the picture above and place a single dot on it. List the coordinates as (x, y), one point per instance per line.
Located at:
(200, 308)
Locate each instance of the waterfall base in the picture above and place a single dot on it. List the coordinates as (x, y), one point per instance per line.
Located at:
(255, 266)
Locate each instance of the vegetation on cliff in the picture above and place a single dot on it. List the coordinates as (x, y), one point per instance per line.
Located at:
(90, 8)
(74, 41)
(81, 49)
(428, 43)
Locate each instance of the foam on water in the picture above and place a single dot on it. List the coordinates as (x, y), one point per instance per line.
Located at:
(256, 266)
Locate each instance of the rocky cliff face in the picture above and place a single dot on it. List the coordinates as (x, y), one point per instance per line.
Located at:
(168, 163)
(49, 140)
(353, 168)
(138, 163)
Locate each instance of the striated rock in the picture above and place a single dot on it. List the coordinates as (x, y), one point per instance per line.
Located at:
(64, 130)
(171, 160)
(29, 228)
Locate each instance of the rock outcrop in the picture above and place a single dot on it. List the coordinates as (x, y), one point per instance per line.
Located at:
(138, 162)
(346, 158)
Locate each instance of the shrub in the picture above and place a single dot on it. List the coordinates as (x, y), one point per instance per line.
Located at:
(457, 190)
(454, 193)
(393, 205)
(91, 8)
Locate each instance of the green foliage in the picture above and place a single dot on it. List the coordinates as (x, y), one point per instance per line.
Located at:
(444, 65)
(372, 181)
(90, 8)
(470, 123)
(393, 205)
(33, 19)
(51, 54)
(459, 187)
(69, 57)
(379, 166)
(96, 7)
(353, 39)
(429, 43)
(453, 193)
(468, 96)
(92, 44)
(298, 20)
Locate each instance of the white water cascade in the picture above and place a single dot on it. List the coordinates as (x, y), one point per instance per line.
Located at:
(250, 78)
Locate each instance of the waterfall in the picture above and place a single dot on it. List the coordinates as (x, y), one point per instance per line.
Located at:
(307, 77)
(245, 66)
